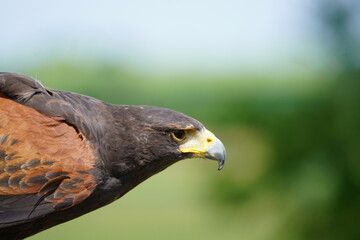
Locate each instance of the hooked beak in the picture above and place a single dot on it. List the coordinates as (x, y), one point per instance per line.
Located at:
(217, 152)
(204, 144)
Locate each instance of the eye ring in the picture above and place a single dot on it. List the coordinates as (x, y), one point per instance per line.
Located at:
(178, 135)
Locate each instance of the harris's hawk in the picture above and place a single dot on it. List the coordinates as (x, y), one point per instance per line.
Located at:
(64, 154)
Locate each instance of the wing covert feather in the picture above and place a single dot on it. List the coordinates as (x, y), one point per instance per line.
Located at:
(45, 164)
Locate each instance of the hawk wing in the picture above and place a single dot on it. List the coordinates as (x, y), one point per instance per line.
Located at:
(46, 150)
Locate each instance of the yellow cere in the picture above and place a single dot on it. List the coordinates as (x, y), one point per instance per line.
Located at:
(198, 142)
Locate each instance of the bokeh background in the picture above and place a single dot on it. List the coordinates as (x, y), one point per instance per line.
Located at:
(276, 80)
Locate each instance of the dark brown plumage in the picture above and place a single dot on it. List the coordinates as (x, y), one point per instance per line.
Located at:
(63, 154)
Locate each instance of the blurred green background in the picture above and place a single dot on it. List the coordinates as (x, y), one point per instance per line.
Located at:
(292, 135)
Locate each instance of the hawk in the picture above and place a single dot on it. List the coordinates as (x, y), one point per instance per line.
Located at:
(64, 154)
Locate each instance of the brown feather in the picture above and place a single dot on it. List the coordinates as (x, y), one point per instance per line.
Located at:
(37, 150)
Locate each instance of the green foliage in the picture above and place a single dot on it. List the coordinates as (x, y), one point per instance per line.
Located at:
(293, 151)
(293, 169)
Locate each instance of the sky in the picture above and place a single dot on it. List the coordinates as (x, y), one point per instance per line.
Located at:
(161, 34)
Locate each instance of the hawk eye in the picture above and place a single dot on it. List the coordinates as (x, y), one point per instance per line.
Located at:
(178, 135)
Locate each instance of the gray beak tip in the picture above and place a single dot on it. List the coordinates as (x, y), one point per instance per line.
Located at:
(217, 152)
(221, 164)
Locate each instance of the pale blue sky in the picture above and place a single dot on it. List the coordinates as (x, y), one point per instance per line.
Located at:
(158, 34)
